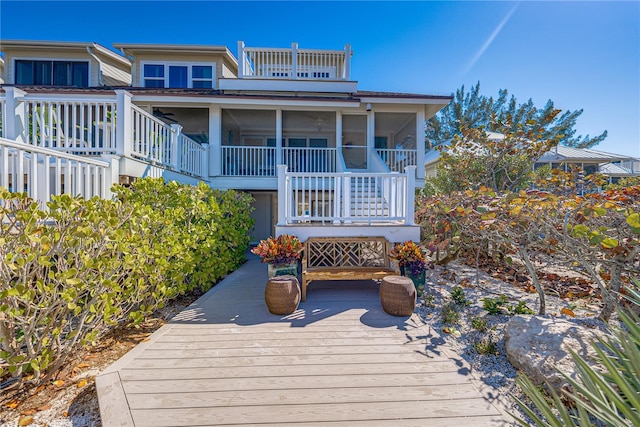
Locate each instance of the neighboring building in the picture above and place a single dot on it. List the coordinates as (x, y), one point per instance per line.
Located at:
(197, 113)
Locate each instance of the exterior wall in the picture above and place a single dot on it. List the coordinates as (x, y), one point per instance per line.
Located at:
(62, 53)
(265, 207)
(187, 57)
(113, 72)
(227, 73)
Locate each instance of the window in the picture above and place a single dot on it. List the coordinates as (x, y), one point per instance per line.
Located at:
(52, 73)
(178, 76)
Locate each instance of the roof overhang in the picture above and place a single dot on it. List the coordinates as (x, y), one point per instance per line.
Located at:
(137, 48)
(49, 45)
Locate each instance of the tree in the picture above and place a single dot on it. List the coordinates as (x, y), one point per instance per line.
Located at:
(472, 110)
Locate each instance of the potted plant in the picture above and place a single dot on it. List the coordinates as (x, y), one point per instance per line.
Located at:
(281, 254)
(412, 261)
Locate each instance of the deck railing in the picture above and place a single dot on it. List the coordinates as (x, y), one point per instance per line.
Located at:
(294, 63)
(85, 126)
(345, 197)
(303, 159)
(398, 159)
(192, 156)
(248, 161)
(151, 138)
(43, 172)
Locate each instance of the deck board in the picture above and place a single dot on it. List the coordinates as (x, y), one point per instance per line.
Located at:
(338, 360)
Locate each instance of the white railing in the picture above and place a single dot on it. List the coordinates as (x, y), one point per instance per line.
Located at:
(151, 138)
(42, 172)
(75, 126)
(345, 197)
(294, 63)
(303, 159)
(192, 155)
(248, 161)
(398, 159)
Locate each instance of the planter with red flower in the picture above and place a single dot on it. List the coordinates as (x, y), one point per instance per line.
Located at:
(413, 263)
(281, 254)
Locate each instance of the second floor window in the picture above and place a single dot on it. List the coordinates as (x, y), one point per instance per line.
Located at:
(52, 73)
(177, 76)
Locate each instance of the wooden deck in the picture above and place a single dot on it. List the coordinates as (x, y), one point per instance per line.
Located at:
(338, 360)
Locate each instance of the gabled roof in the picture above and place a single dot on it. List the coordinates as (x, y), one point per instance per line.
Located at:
(48, 45)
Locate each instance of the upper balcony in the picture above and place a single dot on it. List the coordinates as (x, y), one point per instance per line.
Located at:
(292, 69)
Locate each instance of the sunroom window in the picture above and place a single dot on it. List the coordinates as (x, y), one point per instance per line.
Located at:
(177, 75)
(52, 73)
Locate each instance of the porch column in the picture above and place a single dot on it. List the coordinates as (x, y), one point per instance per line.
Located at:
(371, 131)
(339, 161)
(420, 136)
(215, 144)
(410, 171)
(15, 125)
(204, 165)
(124, 123)
(282, 195)
(279, 136)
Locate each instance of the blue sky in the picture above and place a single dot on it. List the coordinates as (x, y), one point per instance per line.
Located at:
(578, 54)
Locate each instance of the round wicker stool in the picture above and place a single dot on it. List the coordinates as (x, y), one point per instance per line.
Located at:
(282, 294)
(398, 295)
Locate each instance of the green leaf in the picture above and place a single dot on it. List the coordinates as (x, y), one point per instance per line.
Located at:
(634, 220)
(609, 243)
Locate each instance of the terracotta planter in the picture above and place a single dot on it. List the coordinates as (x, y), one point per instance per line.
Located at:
(282, 294)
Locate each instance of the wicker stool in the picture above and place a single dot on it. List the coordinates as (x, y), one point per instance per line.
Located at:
(282, 294)
(398, 295)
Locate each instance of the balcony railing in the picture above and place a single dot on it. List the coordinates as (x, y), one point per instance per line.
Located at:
(294, 63)
(347, 198)
(261, 161)
(398, 159)
(42, 172)
(88, 126)
(303, 159)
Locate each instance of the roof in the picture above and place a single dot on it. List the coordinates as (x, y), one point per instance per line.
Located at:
(375, 94)
(562, 153)
(47, 45)
(612, 169)
(133, 48)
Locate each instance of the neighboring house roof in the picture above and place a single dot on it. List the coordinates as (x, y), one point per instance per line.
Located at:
(611, 169)
(571, 154)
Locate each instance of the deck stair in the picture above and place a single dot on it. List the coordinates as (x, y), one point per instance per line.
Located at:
(367, 199)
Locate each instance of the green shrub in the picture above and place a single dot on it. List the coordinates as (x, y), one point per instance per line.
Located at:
(450, 314)
(479, 324)
(458, 296)
(485, 346)
(495, 305)
(84, 266)
(520, 308)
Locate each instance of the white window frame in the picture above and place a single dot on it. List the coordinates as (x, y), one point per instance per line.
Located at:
(187, 64)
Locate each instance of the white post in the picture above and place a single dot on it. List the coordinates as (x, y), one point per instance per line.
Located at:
(241, 59)
(112, 175)
(175, 145)
(339, 141)
(15, 125)
(282, 194)
(420, 146)
(294, 60)
(124, 123)
(337, 196)
(410, 171)
(279, 136)
(346, 198)
(347, 62)
(204, 166)
(215, 142)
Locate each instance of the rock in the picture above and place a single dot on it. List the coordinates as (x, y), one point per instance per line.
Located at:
(538, 346)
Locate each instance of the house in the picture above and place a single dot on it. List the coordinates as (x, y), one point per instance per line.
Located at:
(288, 125)
(613, 166)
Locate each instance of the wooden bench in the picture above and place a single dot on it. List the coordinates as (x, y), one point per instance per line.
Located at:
(346, 258)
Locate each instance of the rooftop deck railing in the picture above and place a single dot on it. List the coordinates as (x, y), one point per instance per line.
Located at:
(294, 63)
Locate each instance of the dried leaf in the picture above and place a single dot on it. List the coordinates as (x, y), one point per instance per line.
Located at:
(44, 407)
(82, 365)
(25, 421)
(65, 414)
(567, 312)
(145, 340)
(58, 383)
(12, 405)
(29, 412)
(39, 389)
(82, 383)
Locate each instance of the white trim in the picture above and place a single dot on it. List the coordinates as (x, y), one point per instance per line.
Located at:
(187, 64)
(403, 100)
(288, 85)
(12, 75)
(229, 102)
